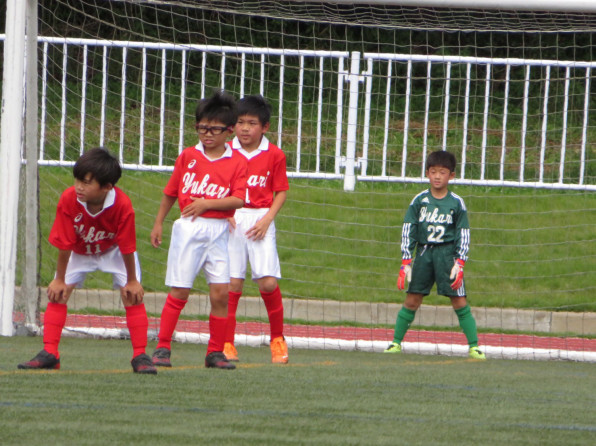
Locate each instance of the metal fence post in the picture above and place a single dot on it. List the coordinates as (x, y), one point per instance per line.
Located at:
(350, 162)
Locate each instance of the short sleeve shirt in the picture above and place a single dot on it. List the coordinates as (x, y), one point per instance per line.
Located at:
(196, 175)
(77, 230)
(266, 173)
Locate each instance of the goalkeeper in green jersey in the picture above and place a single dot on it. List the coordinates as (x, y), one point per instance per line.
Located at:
(436, 229)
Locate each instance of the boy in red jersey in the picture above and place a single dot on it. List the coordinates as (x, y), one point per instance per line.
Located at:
(253, 226)
(94, 230)
(209, 182)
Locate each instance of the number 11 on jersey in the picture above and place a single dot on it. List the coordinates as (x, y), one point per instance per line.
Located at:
(90, 250)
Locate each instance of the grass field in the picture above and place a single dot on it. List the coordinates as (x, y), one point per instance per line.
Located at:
(320, 397)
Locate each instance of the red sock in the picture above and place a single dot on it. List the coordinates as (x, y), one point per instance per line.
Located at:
(169, 318)
(54, 320)
(233, 299)
(217, 333)
(137, 322)
(275, 311)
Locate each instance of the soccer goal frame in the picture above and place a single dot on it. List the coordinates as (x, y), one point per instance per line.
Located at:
(359, 76)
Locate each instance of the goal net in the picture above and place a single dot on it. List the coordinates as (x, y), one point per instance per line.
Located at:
(361, 93)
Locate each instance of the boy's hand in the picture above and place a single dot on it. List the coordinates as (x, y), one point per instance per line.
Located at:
(134, 292)
(232, 223)
(405, 273)
(196, 208)
(457, 273)
(259, 230)
(156, 234)
(57, 291)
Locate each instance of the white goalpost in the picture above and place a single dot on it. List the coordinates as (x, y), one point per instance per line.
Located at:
(361, 93)
(11, 131)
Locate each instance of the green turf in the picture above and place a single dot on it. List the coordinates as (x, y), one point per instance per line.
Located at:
(320, 397)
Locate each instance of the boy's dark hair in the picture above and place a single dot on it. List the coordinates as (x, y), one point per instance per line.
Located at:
(219, 107)
(441, 158)
(255, 105)
(101, 164)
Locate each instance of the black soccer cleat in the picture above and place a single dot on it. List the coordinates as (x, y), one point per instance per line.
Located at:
(142, 364)
(161, 357)
(43, 360)
(219, 361)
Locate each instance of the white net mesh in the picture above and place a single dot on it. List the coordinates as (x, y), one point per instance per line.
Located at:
(133, 84)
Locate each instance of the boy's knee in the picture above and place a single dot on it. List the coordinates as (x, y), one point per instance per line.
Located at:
(63, 297)
(127, 300)
(236, 285)
(413, 301)
(218, 294)
(267, 284)
(458, 302)
(180, 293)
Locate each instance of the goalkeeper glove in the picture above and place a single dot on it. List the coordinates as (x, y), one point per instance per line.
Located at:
(405, 273)
(457, 274)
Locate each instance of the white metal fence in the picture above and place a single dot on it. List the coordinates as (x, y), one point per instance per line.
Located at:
(512, 122)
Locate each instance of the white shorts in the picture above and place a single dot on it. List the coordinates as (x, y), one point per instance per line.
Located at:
(195, 245)
(262, 254)
(110, 262)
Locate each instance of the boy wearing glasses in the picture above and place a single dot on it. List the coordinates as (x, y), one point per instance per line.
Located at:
(209, 182)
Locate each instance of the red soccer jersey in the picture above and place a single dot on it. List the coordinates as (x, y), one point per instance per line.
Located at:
(77, 230)
(196, 175)
(266, 173)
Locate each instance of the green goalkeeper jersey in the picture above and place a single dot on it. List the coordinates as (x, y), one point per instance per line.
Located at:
(432, 221)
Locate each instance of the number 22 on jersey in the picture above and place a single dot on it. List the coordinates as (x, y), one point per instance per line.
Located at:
(436, 233)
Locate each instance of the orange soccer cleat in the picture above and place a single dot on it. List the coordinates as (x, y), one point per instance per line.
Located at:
(279, 351)
(230, 352)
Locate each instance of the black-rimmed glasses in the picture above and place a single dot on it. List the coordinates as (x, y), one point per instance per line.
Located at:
(215, 130)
